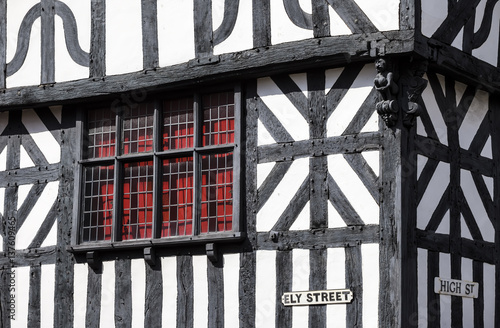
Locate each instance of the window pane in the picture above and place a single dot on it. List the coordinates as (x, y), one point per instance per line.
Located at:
(101, 133)
(178, 124)
(217, 193)
(137, 221)
(177, 198)
(218, 119)
(98, 203)
(138, 129)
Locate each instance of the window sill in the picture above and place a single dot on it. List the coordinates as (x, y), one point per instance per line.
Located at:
(160, 242)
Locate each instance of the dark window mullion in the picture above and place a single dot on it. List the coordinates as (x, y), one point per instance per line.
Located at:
(157, 169)
(237, 166)
(198, 124)
(118, 180)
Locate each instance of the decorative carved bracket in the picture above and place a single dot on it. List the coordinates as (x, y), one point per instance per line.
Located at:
(386, 83)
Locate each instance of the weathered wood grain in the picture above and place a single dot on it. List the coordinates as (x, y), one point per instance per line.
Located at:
(250, 63)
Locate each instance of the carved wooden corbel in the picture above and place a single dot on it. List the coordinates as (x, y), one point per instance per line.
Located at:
(416, 85)
(412, 84)
(385, 84)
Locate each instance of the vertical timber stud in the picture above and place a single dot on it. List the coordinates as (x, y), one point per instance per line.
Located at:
(284, 265)
(97, 65)
(318, 168)
(320, 19)
(48, 41)
(247, 304)
(149, 33)
(3, 43)
(203, 30)
(64, 274)
(495, 109)
(261, 23)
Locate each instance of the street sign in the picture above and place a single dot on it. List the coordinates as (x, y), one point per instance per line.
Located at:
(317, 297)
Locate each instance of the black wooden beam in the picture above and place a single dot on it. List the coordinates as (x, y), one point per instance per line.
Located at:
(473, 249)
(149, 33)
(319, 147)
(3, 43)
(97, 64)
(48, 41)
(265, 61)
(321, 238)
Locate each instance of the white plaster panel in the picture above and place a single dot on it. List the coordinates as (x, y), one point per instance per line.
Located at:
(300, 281)
(4, 120)
(351, 102)
(370, 267)
(432, 195)
(489, 184)
(476, 205)
(282, 28)
(106, 318)
(29, 73)
(337, 25)
(123, 36)
(422, 287)
(354, 189)
(373, 160)
(24, 159)
(300, 80)
(22, 193)
(175, 47)
(282, 195)
(35, 218)
(231, 287)
(265, 289)
(444, 226)
(263, 171)
(334, 218)
(421, 162)
(242, 36)
(57, 111)
(383, 14)
(51, 238)
(283, 109)
(47, 295)
(487, 150)
(45, 141)
(3, 159)
(335, 275)
(169, 301)
(200, 291)
(464, 229)
(467, 303)
(65, 68)
(138, 273)
(80, 274)
(473, 118)
(331, 76)
(434, 13)
(303, 221)
(2, 198)
(434, 113)
(22, 297)
(458, 41)
(445, 300)
(484, 52)
(489, 294)
(263, 135)
(372, 123)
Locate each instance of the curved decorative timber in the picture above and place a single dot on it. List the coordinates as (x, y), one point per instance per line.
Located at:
(70, 34)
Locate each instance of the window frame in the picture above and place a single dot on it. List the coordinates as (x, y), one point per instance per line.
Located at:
(157, 155)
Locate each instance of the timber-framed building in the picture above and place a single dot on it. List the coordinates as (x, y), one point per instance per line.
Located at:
(249, 163)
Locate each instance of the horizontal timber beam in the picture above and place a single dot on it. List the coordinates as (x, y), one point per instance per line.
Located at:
(472, 249)
(319, 147)
(319, 239)
(286, 57)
